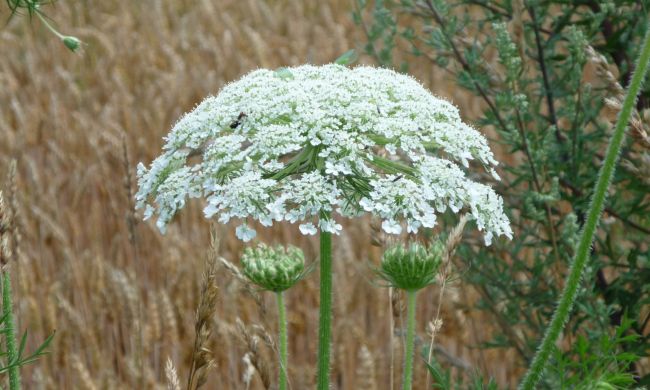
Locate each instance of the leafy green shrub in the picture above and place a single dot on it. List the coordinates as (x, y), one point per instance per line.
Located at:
(597, 360)
(547, 73)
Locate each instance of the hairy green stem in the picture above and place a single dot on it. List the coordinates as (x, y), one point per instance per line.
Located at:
(565, 302)
(10, 332)
(282, 329)
(325, 320)
(410, 340)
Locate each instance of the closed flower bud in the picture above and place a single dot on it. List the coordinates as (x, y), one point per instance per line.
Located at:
(273, 268)
(411, 268)
(72, 43)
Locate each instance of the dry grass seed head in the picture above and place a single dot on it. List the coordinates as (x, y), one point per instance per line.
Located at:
(254, 355)
(366, 369)
(5, 237)
(172, 376)
(202, 358)
(85, 379)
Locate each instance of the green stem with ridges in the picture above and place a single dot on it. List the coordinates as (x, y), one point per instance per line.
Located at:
(282, 329)
(325, 315)
(410, 340)
(565, 302)
(10, 332)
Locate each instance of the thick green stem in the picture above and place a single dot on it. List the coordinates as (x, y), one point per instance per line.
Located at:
(410, 340)
(10, 333)
(282, 329)
(325, 320)
(565, 303)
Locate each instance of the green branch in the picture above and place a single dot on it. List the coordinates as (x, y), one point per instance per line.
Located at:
(565, 303)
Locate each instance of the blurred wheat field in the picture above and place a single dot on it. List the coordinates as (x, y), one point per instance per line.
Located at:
(121, 297)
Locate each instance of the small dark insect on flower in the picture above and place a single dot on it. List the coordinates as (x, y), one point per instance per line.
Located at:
(237, 122)
(397, 178)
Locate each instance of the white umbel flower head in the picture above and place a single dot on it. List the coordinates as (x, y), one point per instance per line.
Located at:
(307, 143)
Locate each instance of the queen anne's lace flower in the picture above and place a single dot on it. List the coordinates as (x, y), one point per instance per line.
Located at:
(301, 144)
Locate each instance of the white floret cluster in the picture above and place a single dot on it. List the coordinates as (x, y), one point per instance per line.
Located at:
(307, 143)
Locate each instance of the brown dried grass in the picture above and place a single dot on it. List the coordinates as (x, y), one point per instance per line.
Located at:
(121, 296)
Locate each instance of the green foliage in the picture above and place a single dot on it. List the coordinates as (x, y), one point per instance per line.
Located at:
(15, 354)
(21, 359)
(528, 63)
(597, 360)
(567, 299)
(442, 379)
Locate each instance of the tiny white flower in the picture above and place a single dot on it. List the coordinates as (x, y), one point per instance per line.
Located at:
(488, 238)
(308, 229)
(330, 225)
(428, 220)
(148, 212)
(161, 226)
(366, 204)
(413, 226)
(391, 226)
(245, 233)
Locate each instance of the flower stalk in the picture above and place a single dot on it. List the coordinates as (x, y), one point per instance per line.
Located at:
(565, 303)
(325, 314)
(282, 330)
(410, 339)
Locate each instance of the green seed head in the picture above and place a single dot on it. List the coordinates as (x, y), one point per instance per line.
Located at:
(410, 268)
(72, 43)
(273, 268)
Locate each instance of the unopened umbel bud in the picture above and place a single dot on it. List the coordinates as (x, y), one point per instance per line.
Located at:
(410, 268)
(274, 269)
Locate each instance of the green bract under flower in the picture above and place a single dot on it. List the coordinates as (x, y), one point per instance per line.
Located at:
(274, 269)
(410, 268)
(304, 144)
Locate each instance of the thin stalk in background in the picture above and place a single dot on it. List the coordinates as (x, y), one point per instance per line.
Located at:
(453, 240)
(325, 315)
(10, 332)
(282, 329)
(565, 303)
(410, 340)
